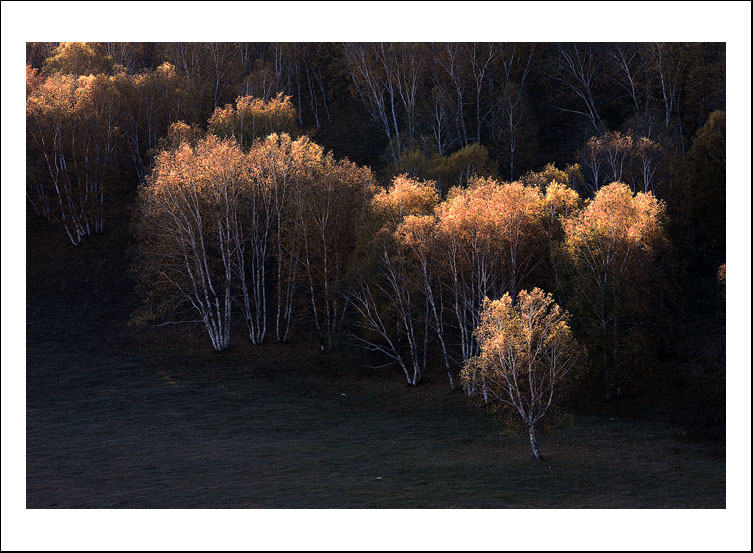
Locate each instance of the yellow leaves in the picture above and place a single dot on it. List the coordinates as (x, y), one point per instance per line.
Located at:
(619, 218)
(550, 174)
(54, 97)
(205, 168)
(179, 133)
(405, 197)
(529, 334)
(560, 200)
(211, 167)
(417, 230)
(78, 58)
(166, 70)
(251, 118)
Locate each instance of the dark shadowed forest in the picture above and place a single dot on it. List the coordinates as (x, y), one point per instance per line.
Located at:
(383, 276)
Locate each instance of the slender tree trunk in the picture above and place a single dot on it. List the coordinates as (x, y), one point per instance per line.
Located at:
(534, 443)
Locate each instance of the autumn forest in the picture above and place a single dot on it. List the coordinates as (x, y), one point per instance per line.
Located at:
(524, 238)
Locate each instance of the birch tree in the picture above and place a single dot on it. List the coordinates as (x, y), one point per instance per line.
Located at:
(375, 81)
(621, 157)
(418, 234)
(72, 133)
(481, 58)
(451, 69)
(616, 149)
(633, 74)
(527, 351)
(491, 241)
(510, 100)
(329, 203)
(212, 72)
(251, 118)
(647, 156)
(188, 224)
(668, 66)
(277, 165)
(78, 58)
(152, 100)
(390, 296)
(577, 68)
(611, 245)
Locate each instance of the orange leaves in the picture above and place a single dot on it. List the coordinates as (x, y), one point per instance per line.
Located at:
(617, 220)
(33, 79)
(203, 170)
(208, 161)
(54, 97)
(491, 212)
(63, 96)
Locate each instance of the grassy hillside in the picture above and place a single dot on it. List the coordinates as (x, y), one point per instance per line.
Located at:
(124, 417)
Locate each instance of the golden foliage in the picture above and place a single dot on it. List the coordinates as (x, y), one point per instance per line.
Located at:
(560, 200)
(405, 197)
(526, 351)
(570, 176)
(78, 58)
(614, 223)
(251, 118)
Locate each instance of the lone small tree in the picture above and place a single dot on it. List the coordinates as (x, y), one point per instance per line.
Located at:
(526, 352)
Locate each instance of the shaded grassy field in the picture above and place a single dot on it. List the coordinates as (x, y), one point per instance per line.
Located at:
(122, 417)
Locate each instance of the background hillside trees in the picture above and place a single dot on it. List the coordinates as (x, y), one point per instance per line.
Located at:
(71, 141)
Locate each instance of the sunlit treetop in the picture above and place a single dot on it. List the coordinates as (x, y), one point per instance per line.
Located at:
(251, 118)
(405, 196)
(560, 200)
(78, 58)
(617, 219)
(568, 177)
(489, 208)
(522, 331)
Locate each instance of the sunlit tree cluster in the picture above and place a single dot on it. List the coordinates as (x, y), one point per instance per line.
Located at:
(71, 141)
(251, 118)
(462, 248)
(226, 229)
(623, 157)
